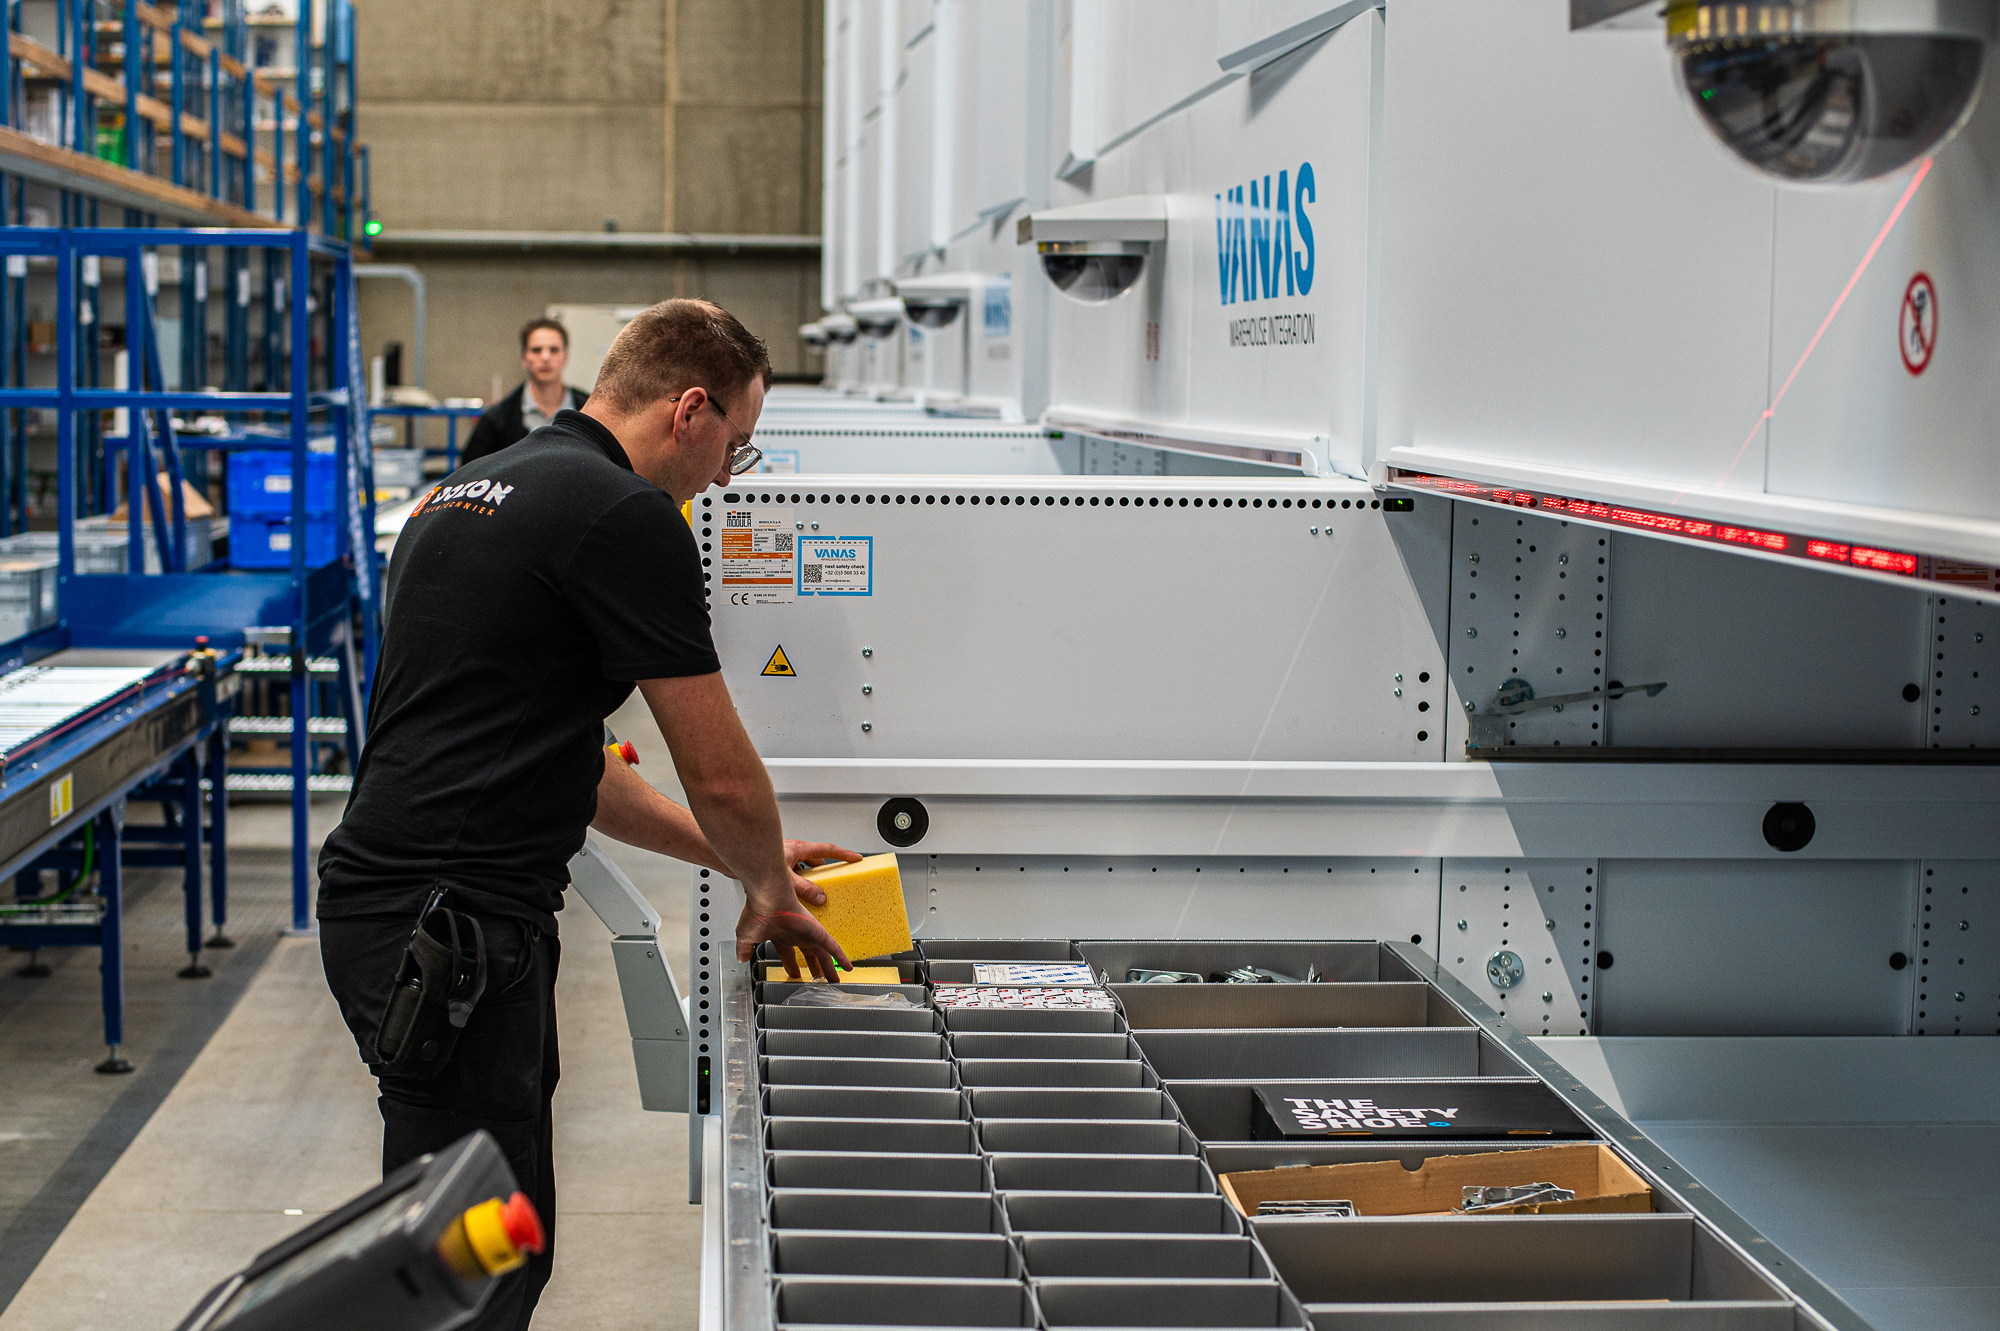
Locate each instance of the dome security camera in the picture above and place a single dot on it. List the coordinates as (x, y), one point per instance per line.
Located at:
(839, 329)
(1095, 252)
(1829, 91)
(1094, 272)
(814, 335)
(926, 313)
(877, 318)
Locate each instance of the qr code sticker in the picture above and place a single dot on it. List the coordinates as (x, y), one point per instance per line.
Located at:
(736, 520)
(811, 573)
(783, 542)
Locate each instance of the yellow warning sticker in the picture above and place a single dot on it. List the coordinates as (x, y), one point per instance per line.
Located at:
(62, 798)
(780, 664)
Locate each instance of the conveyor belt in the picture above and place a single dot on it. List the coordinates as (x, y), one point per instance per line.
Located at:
(37, 699)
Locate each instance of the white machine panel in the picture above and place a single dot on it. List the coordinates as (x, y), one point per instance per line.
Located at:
(910, 446)
(1958, 949)
(1521, 934)
(1086, 617)
(1964, 669)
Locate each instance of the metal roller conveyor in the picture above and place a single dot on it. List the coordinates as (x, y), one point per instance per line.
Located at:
(81, 733)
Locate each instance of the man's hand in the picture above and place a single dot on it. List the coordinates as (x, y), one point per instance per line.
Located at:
(806, 854)
(787, 929)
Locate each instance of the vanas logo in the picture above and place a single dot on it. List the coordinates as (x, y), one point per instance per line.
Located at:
(486, 492)
(1254, 245)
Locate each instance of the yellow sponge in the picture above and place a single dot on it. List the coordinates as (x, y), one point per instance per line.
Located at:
(864, 908)
(775, 971)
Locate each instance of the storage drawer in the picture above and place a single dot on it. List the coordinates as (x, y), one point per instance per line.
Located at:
(1301, 1055)
(854, 1044)
(997, 949)
(925, 1136)
(878, 1172)
(1101, 1173)
(1152, 1136)
(1145, 1256)
(1064, 1102)
(1068, 1047)
(1121, 1213)
(1496, 1259)
(1205, 1303)
(936, 1256)
(902, 1301)
(925, 1212)
(1045, 1072)
(773, 993)
(1232, 1157)
(1337, 962)
(861, 1102)
(1603, 1316)
(934, 1073)
(1250, 1006)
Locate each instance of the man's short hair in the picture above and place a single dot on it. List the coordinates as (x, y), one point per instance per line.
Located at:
(553, 325)
(681, 344)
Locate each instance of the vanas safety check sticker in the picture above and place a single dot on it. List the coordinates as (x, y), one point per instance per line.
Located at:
(836, 566)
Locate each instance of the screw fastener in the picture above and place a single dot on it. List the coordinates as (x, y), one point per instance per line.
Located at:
(868, 651)
(1562, 633)
(1472, 633)
(867, 726)
(867, 689)
(1461, 924)
(1548, 997)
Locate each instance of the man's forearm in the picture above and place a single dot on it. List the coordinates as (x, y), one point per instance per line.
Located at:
(631, 811)
(728, 791)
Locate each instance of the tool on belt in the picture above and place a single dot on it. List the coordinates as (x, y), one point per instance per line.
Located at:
(438, 982)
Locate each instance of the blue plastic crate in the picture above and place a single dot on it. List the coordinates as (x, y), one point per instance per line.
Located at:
(259, 541)
(260, 481)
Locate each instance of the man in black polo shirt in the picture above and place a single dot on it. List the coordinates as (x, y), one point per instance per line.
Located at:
(525, 600)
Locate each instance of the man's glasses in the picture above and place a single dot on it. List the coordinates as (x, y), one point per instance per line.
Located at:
(742, 456)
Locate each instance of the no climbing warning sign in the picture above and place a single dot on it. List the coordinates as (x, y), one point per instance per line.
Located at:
(1918, 324)
(780, 664)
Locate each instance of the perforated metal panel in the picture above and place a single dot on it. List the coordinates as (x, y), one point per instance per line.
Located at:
(1964, 693)
(1542, 911)
(1958, 948)
(966, 896)
(1529, 602)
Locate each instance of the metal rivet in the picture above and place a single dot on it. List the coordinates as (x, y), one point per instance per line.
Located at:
(867, 726)
(1963, 925)
(815, 526)
(1548, 997)
(1562, 559)
(1472, 633)
(1472, 559)
(1468, 707)
(1313, 530)
(1461, 924)
(798, 526)
(1397, 691)
(1398, 677)
(1562, 633)
(868, 651)
(867, 689)
(1551, 923)
(1959, 996)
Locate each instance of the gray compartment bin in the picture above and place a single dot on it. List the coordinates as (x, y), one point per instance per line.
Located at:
(1344, 963)
(1101, 1173)
(924, 1136)
(1079, 1020)
(1067, 1047)
(936, 1256)
(1144, 1256)
(1603, 1316)
(854, 1044)
(902, 1301)
(1189, 1303)
(1502, 1259)
(1283, 1006)
(1236, 1157)
(783, 1018)
(997, 949)
(773, 993)
(914, 1072)
(1113, 1073)
(1061, 1102)
(1072, 1136)
(861, 1102)
(870, 1171)
(1121, 1213)
(1306, 1055)
(925, 1212)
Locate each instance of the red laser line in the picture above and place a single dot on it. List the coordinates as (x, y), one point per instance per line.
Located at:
(1909, 192)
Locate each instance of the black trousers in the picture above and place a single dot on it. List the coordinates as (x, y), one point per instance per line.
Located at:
(500, 1077)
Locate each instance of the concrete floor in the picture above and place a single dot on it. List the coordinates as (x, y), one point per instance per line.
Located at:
(123, 1199)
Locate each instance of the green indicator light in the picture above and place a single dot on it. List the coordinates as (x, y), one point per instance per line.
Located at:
(374, 227)
(1707, 94)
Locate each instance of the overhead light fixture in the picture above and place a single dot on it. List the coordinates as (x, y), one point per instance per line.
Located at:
(1096, 252)
(1821, 91)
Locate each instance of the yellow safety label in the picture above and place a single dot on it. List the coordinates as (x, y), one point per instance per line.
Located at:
(62, 798)
(779, 664)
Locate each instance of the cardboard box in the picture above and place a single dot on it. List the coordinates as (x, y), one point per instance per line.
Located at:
(1602, 1182)
(1469, 1110)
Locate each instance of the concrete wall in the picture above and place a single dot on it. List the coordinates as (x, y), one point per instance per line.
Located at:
(532, 115)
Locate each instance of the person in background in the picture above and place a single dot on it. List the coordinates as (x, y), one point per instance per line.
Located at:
(544, 355)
